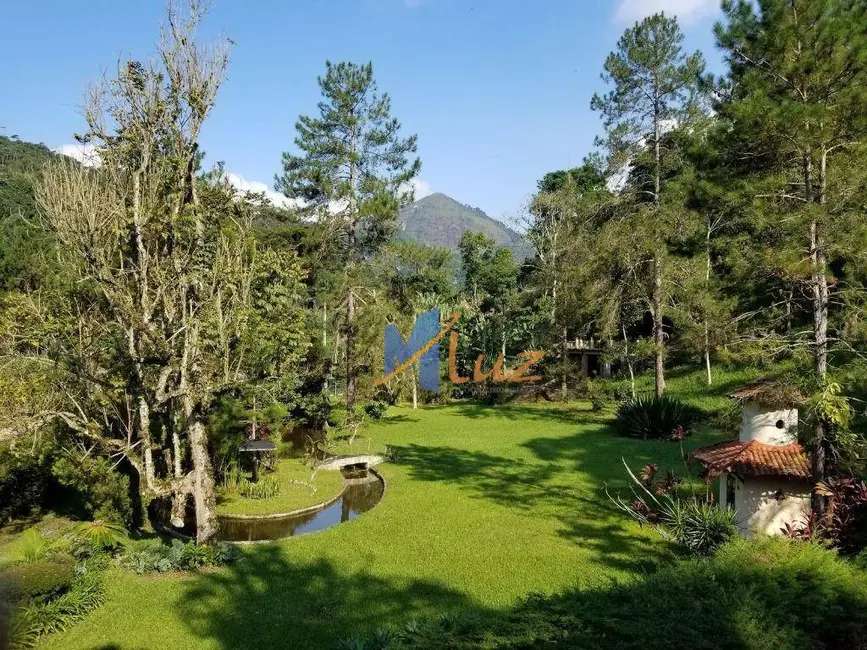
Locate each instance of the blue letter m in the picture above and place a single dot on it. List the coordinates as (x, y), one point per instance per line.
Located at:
(426, 327)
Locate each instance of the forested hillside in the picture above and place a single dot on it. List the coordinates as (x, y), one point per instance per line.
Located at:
(439, 220)
(22, 240)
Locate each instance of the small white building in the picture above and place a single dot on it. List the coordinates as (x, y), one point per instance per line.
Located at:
(765, 474)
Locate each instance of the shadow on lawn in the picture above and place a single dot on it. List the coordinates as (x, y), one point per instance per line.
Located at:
(769, 594)
(567, 481)
(398, 418)
(529, 412)
(267, 600)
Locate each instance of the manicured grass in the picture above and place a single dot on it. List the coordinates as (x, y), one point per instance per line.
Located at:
(300, 487)
(483, 505)
(750, 595)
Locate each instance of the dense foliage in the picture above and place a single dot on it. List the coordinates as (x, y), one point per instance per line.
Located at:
(155, 555)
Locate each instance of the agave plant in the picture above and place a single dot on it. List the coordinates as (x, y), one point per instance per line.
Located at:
(654, 417)
(697, 525)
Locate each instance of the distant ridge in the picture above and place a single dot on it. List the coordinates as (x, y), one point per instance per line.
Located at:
(439, 220)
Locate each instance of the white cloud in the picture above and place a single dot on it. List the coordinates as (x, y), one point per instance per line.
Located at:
(630, 11)
(84, 153)
(421, 188)
(242, 184)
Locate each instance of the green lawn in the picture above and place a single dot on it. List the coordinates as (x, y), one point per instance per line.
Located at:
(483, 505)
(300, 488)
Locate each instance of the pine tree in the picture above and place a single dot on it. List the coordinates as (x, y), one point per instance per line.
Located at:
(656, 86)
(795, 102)
(354, 173)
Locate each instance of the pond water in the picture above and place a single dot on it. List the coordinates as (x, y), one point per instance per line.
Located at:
(362, 491)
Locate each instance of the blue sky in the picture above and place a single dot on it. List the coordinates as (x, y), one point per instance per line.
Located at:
(498, 91)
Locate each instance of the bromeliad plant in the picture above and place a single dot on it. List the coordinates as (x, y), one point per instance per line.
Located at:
(653, 417)
(695, 523)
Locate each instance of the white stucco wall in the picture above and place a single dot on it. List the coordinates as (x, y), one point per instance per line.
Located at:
(758, 511)
(759, 422)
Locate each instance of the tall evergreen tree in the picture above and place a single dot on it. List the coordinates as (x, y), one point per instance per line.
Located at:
(656, 86)
(795, 101)
(353, 172)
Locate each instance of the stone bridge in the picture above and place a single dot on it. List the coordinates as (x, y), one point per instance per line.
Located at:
(339, 462)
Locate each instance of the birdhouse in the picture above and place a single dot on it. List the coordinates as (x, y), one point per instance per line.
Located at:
(764, 475)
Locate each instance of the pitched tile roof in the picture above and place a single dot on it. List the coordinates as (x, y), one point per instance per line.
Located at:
(754, 458)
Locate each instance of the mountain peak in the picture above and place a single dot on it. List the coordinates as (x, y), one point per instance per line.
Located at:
(440, 220)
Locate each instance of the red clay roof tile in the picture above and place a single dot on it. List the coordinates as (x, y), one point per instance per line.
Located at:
(754, 458)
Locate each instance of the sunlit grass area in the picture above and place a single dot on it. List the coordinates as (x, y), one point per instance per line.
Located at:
(26, 537)
(483, 505)
(300, 487)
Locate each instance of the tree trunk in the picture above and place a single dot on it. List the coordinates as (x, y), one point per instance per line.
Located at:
(335, 355)
(203, 482)
(414, 386)
(819, 289)
(628, 361)
(820, 355)
(564, 358)
(707, 295)
(658, 334)
(350, 301)
(145, 425)
(707, 354)
(350, 350)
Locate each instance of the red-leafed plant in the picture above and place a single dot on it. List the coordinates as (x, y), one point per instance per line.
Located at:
(693, 522)
(844, 525)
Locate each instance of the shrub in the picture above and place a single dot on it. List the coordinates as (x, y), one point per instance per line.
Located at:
(103, 490)
(152, 555)
(844, 525)
(592, 390)
(23, 484)
(386, 393)
(39, 579)
(376, 409)
(41, 617)
(442, 396)
(615, 390)
(702, 527)
(653, 417)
